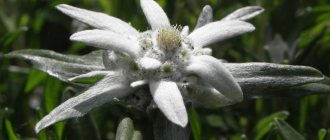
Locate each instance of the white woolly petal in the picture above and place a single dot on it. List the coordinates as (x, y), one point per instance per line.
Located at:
(91, 74)
(155, 15)
(148, 63)
(212, 71)
(139, 83)
(185, 31)
(108, 40)
(205, 17)
(104, 91)
(218, 31)
(207, 51)
(244, 13)
(98, 20)
(169, 100)
(209, 97)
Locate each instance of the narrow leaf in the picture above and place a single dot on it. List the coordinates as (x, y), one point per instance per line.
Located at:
(112, 86)
(269, 119)
(10, 131)
(322, 133)
(59, 65)
(52, 91)
(287, 132)
(268, 80)
(265, 125)
(35, 78)
(9, 38)
(195, 124)
(317, 87)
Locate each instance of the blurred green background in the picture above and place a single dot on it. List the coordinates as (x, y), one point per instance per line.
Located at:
(27, 94)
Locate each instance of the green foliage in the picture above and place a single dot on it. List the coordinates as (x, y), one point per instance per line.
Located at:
(287, 132)
(52, 91)
(265, 125)
(35, 78)
(195, 124)
(10, 131)
(27, 94)
(322, 134)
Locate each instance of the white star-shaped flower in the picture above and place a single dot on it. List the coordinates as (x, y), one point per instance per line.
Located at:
(173, 63)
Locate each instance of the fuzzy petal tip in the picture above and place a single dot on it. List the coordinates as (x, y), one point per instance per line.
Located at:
(169, 100)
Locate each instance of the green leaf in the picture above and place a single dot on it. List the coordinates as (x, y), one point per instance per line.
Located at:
(35, 78)
(268, 130)
(309, 39)
(322, 133)
(42, 135)
(10, 131)
(195, 124)
(269, 80)
(52, 91)
(59, 129)
(125, 130)
(265, 124)
(269, 119)
(287, 132)
(8, 39)
(59, 65)
(303, 113)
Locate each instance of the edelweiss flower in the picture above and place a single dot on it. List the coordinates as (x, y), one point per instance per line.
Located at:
(174, 64)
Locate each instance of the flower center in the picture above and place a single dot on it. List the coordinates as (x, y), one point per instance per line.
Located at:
(169, 38)
(165, 53)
